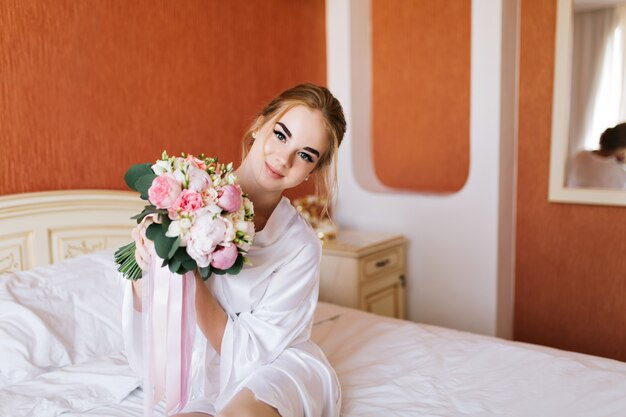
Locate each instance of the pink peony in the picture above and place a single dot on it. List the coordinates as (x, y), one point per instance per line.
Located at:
(224, 257)
(229, 198)
(188, 201)
(164, 191)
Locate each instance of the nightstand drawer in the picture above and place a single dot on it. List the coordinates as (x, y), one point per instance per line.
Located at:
(364, 270)
(383, 262)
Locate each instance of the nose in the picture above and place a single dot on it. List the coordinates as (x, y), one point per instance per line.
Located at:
(285, 158)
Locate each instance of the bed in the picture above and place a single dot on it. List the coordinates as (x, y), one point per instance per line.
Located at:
(61, 345)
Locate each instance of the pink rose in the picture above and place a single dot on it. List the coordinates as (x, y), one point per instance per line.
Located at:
(224, 257)
(188, 201)
(164, 191)
(229, 198)
(199, 163)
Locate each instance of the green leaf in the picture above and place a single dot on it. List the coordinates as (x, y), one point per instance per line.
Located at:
(153, 231)
(182, 270)
(217, 271)
(237, 266)
(144, 183)
(174, 248)
(190, 264)
(174, 265)
(205, 272)
(165, 223)
(163, 244)
(135, 172)
(149, 209)
(181, 254)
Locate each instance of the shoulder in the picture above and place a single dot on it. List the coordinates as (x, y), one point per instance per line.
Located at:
(303, 238)
(302, 243)
(582, 156)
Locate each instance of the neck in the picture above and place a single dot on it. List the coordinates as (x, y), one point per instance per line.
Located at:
(264, 201)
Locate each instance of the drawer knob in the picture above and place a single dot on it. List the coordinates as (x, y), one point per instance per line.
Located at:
(383, 263)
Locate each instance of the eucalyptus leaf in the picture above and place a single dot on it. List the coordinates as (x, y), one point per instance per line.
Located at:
(174, 265)
(144, 183)
(205, 272)
(237, 266)
(218, 271)
(165, 223)
(135, 172)
(162, 245)
(174, 248)
(182, 255)
(149, 209)
(190, 264)
(152, 231)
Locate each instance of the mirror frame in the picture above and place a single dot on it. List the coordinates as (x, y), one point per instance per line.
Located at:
(557, 192)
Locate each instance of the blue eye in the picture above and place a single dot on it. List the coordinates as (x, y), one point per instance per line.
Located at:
(305, 156)
(281, 137)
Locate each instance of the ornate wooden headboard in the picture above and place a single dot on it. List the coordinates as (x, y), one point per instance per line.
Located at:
(46, 227)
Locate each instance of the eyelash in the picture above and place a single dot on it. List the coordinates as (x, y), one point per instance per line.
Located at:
(281, 137)
(306, 157)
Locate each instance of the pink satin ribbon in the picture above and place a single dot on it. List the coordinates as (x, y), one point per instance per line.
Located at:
(169, 323)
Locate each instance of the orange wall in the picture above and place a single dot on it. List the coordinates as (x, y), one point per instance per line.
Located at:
(420, 93)
(88, 88)
(571, 259)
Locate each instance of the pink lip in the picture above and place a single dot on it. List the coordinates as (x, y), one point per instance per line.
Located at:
(273, 173)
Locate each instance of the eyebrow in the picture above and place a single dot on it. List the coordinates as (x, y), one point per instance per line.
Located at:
(313, 151)
(285, 128)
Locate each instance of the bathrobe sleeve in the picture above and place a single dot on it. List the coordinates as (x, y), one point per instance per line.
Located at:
(282, 318)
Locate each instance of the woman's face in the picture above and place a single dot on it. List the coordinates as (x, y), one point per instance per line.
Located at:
(286, 152)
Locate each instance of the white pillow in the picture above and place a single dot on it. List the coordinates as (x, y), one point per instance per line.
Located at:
(57, 315)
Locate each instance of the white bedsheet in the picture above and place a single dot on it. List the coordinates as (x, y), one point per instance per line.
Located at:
(394, 368)
(60, 344)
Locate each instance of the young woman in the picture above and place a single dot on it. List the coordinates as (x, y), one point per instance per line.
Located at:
(602, 168)
(255, 356)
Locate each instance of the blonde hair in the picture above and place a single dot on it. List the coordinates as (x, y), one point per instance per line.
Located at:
(313, 97)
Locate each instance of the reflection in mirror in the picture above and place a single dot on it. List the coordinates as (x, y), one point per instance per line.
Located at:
(597, 140)
(588, 97)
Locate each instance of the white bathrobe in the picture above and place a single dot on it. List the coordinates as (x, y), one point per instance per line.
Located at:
(266, 345)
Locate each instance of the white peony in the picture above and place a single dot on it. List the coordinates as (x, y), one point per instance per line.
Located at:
(205, 234)
(229, 235)
(198, 179)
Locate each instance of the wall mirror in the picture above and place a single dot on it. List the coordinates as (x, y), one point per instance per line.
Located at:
(589, 97)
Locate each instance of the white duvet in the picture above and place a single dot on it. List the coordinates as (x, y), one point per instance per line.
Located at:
(61, 353)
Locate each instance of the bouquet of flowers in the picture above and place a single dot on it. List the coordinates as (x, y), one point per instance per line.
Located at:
(197, 217)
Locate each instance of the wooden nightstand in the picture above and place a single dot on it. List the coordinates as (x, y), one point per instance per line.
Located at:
(365, 270)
